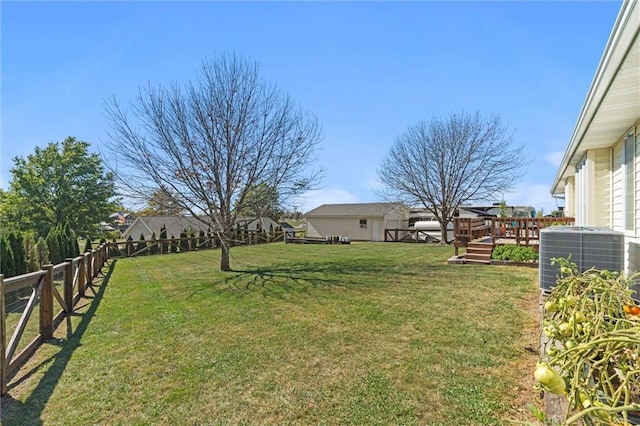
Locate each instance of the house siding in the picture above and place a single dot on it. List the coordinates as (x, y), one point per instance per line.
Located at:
(637, 179)
(343, 226)
(601, 206)
(570, 197)
(617, 196)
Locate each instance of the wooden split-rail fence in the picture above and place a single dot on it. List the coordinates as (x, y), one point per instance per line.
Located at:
(61, 286)
(55, 287)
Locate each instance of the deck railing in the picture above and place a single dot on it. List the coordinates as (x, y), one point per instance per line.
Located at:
(514, 230)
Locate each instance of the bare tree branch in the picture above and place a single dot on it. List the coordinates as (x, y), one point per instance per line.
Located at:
(211, 143)
(443, 164)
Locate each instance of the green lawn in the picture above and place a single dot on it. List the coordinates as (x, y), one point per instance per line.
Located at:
(369, 333)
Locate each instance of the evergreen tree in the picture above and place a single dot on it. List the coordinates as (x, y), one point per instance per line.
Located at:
(32, 255)
(62, 244)
(153, 248)
(163, 236)
(42, 250)
(16, 242)
(129, 248)
(70, 247)
(184, 244)
(53, 246)
(142, 244)
(76, 246)
(7, 263)
(173, 248)
(87, 245)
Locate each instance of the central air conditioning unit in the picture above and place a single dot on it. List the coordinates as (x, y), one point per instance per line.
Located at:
(589, 247)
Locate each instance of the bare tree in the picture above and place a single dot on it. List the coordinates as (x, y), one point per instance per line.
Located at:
(445, 163)
(213, 142)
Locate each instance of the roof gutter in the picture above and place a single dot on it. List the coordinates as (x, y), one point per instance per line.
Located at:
(605, 74)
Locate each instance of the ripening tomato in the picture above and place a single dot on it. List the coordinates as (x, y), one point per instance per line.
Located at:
(634, 310)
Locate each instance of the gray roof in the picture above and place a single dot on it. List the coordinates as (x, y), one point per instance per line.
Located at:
(357, 209)
(175, 224)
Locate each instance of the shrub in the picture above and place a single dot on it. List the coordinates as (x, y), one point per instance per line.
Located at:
(514, 253)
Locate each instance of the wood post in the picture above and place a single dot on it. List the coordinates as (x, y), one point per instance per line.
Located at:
(68, 285)
(94, 263)
(82, 275)
(46, 304)
(3, 340)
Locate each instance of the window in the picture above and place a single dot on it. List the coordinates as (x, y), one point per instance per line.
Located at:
(363, 223)
(629, 183)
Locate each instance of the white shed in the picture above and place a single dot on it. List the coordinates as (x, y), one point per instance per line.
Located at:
(359, 222)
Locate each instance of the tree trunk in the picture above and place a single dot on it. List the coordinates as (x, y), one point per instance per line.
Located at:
(224, 256)
(443, 233)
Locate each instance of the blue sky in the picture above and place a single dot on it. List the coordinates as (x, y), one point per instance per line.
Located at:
(367, 70)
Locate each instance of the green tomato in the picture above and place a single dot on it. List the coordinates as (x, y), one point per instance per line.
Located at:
(570, 300)
(565, 329)
(570, 344)
(579, 317)
(549, 378)
(550, 306)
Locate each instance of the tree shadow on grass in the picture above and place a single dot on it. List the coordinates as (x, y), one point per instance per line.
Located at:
(278, 280)
(15, 412)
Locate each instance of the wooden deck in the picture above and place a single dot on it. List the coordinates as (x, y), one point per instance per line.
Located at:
(503, 230)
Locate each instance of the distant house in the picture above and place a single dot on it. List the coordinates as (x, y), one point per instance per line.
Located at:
(147, 225)
(599, 176)
(121, 221)
(359, 222)
(288, 229)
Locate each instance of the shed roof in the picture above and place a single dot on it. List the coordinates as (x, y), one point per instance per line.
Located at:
(356, 209)
(174, 225)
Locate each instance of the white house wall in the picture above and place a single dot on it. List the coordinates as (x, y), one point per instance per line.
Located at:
(343, 226)
(601, 205)
(632, 239)
(632, 236)
(617, 196)
(570, 197)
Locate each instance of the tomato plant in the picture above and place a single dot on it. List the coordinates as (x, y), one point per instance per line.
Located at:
(592, 354)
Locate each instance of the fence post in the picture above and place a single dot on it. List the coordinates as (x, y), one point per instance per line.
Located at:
(89, 267)
(82, 276)
(68, 285)
(46, 304)
(3, 340)
(94, 263)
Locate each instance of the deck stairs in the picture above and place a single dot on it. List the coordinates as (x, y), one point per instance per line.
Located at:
(478, 252)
